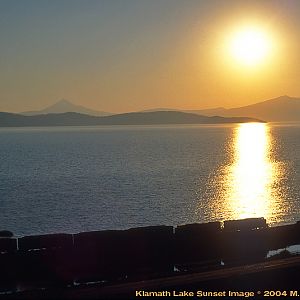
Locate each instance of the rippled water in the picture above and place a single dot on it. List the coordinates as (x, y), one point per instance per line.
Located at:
(75, 179)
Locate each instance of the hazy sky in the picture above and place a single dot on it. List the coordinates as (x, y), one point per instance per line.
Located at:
(126, 55)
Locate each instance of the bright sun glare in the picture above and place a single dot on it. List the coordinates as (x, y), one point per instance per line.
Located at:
(253, 174)
(250, 46)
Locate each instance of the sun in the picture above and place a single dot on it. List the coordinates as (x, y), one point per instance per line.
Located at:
(250, 46)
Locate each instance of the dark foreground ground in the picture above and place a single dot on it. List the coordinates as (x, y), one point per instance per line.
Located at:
(193, 261)
(278, 279)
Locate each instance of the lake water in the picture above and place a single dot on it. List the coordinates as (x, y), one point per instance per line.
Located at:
(73, 179)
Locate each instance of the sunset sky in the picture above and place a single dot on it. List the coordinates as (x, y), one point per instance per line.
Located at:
(128, 55)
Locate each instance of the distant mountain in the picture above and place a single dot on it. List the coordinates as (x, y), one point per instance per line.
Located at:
(283, 108)
(148, 118)
(64, 106)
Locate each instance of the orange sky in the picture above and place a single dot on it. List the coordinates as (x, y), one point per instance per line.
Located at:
(132, 55)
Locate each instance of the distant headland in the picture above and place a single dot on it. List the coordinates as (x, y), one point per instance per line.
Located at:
(135, 118)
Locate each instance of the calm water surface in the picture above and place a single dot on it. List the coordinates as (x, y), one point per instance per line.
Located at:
(75, 179)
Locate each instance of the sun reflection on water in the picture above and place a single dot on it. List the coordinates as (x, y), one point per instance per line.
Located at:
(250, 178)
